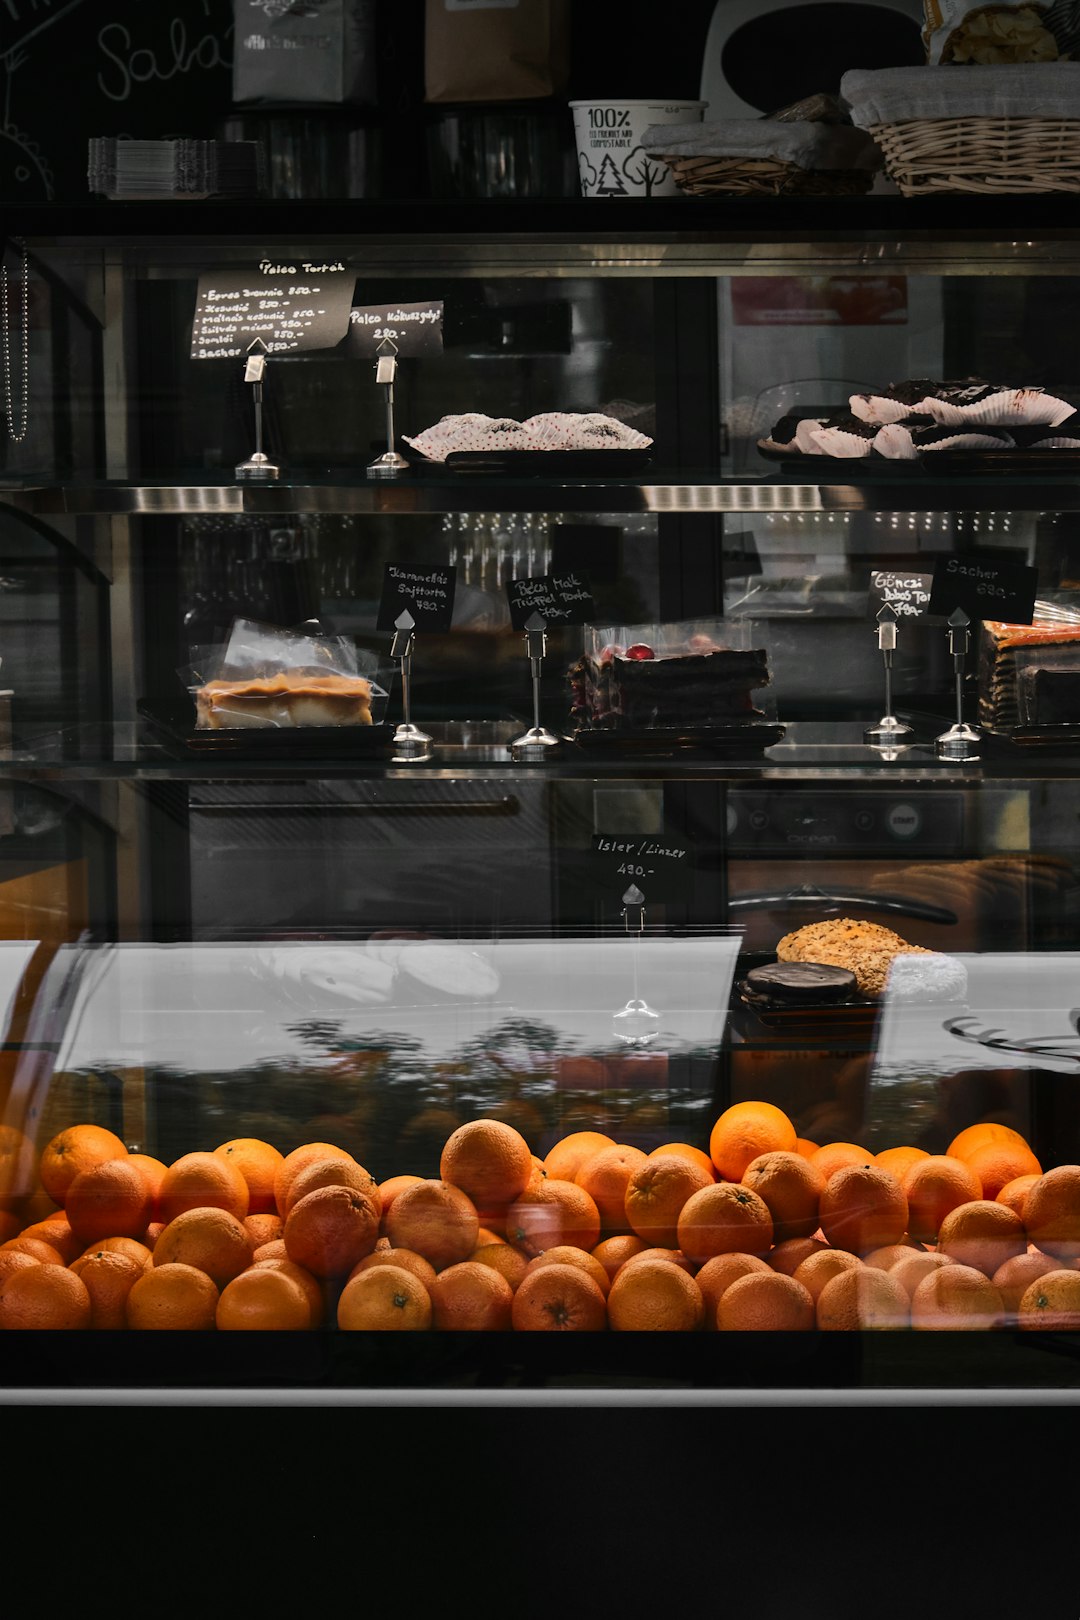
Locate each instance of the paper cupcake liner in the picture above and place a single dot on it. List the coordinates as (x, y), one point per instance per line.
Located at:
(1008, 407)
(839, 442)
(969, 441)
(805, 435)
(1056, 441)
(894, 441)
(878, 409)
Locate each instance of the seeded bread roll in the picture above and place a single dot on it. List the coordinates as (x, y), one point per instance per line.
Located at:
(866, 949)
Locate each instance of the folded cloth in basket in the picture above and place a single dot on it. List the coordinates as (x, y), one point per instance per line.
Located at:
(808, 145)
(1018, 90)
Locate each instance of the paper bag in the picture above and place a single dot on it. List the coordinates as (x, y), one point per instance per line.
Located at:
(314, 51)
(495, 50)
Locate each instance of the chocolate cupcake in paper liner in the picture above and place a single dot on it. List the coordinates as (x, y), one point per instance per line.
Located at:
(846, 437)
(896, 403)
(1002, 407)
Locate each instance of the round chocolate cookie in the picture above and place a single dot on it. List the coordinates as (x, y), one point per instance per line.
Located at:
(801, 982)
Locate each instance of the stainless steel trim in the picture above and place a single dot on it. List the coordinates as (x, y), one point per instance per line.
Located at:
(620, 1398)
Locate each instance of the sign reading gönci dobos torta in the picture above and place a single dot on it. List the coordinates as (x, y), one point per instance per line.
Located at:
(288, 306)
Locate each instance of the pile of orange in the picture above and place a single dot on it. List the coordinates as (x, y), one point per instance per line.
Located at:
(766, 1231)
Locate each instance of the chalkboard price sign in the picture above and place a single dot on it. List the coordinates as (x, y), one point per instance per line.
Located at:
(426, 593)
(985, 587)
(287, 307)
(660, 866)
(405, 329)
(558, 598)
(907, 594)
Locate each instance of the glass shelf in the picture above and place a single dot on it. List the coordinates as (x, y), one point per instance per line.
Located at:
(479, 751)
(430, 490)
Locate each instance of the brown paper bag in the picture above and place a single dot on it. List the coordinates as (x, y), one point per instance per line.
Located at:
(495, 50)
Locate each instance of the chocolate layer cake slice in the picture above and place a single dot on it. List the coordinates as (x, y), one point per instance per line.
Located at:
(632, 689)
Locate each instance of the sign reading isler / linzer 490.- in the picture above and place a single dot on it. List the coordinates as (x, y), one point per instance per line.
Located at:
(287, 305)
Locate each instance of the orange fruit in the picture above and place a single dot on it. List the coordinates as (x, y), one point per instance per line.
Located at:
(44, 1296)
(718, 1274)
(295, 1161)
(407, 1259)
(435, 1220)
(56, 1231)
(109, 1200)
(558, 1299)
(982, 1234)
(79, 1147)
(805, 1147)
(564, 1254)
(899, 1160)
(386, 1299)
(202, 1181)
(818, 1269)
(173, 1297)
(490, 1161)
(210, 1239)
(1014, 1193)
(613, 1252)
(14, 1260)
(933, 1187)
(565, 1159)
(789, 1255)
(746, 1130)
(258, 1162)
(998, 1163)
(551, 1213)
(263, 1300)
(605, 1176)
(833, 1156)
(726, 1218)
(656, 1193)
(333, 1173)
(791, 1188)
(955, 1299)
(684, 1150)
(124, 1245)
(1050, 1302)
(671, 1257)
(108, 1278)
(974, 1136)
(264, 1228)
(274, 1250)
(890, 1254)
(18, 1168)
(153, 1172)
(653, 1296)
(1014, 1276)
(863, 1208)
(44, 1252)
(330, 1229)
(308, 1284)
(389, 1189)
(765, 1303)
(917, 1264)
(862, 1298)
(471, 1298)
(503, 1258)
(1052, 1212)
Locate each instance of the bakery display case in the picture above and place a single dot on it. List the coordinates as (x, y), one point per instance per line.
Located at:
(618, 784)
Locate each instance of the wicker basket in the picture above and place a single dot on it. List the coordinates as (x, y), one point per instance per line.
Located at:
(764, 177)
(986, 156)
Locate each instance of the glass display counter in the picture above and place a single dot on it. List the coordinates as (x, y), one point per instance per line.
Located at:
(299, 940)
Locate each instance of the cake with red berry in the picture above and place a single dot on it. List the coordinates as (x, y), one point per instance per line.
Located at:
(641, 678)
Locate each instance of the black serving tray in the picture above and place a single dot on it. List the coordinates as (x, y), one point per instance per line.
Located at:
(1018, 463)
(548, 463)
(744, 741)
(176, 729)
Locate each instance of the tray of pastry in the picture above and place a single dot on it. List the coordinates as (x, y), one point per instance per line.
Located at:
(176, 729)
(614, 463)
(743, 740)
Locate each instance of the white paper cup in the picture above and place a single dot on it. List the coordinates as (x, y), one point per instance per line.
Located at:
(611, 159)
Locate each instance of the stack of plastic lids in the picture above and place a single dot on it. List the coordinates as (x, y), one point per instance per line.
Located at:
(136, 169)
